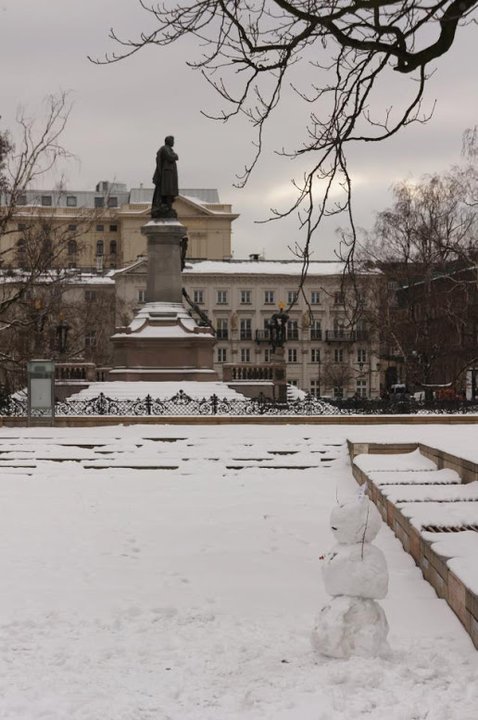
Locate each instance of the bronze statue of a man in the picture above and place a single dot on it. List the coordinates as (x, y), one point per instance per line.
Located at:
(165, 181)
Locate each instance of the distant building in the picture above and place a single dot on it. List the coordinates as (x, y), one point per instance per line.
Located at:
(326, 353)
(101, 229)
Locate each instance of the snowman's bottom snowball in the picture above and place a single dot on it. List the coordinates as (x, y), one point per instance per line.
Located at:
(351, 626)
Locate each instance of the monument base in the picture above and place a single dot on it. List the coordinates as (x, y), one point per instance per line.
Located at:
(163, 342)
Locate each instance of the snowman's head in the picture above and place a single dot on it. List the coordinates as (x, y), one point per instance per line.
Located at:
(355, 521)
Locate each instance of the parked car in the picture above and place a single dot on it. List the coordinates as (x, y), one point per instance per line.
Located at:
(398, 392)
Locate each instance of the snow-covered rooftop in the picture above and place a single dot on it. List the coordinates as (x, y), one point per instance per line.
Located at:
(262, 267)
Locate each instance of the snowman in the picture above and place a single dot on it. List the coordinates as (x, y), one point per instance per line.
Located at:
(355, 575)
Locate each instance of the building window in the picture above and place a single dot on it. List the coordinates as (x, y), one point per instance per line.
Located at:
(46, 200)
(222, 297)
(22, 199)
(245, 355)
(315, 297)
(315, 388)
(293, 330)
(100, 228)
(72, 228)
(361, 355)
(292, 355)
(315, 355)
(100, 248)
(198, 297)
(268, 297)
(245, 297)
(338, 355)
(21, 227)
(294, 383)
(338, 298)
(361, 388)
(222, 355)
(267, 355)
(99, 202)
(113, 247)
(338, 392)
(361, 330)
(339, 328)
(315, 330)
(71, 201)
(72, 247)
(141, 295)
(90, 339)
(222, 329)
(112, 202)
(113, 228)
(292, 297)
(246, 329)
(90, 295)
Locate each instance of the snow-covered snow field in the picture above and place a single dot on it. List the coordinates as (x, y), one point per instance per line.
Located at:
(174, 573)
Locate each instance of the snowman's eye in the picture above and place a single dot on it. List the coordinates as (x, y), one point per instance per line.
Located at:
(333, 528)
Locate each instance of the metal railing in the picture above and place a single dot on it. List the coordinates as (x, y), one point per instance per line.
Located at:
(345, 335)
(182, 404)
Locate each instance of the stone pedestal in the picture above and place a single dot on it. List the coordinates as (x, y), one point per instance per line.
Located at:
(163, 341)
(164, 260)
(280, 374)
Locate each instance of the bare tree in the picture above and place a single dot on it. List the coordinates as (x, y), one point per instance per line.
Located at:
(36, 243)
(248, 51)
(425, 246)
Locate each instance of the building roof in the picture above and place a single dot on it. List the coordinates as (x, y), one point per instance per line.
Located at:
(105, 189)
(142, 195)
(263, 267)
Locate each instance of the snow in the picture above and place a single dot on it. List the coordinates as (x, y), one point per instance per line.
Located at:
(394, 461)
(141, 593)
(424, 493)
(164, 320)
(445, 476)
(350, 626)
(356, 570)
(356, 521)
(262, 267)
(442, 514)
(462, 550)
(457, 439)
(123, 390)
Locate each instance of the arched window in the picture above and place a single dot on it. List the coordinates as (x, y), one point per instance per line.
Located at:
(72, 247)
(100, 248)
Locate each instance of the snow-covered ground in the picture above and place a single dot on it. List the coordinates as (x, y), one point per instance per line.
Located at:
(173, 573)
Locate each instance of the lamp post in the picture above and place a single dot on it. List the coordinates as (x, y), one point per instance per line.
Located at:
(277, 327)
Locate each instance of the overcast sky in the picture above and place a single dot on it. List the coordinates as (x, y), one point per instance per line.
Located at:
(123, 111)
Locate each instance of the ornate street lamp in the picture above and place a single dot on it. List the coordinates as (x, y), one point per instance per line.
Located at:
(277, 327)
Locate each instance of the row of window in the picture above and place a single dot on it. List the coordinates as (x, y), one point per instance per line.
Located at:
(361, 389)
(72, 201)
(292, 328)
(270, 297)
(72, 248)
(292, 355)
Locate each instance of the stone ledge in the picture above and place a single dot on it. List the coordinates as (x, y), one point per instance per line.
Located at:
(434, 567)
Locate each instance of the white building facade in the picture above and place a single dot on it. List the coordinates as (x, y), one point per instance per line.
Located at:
(329, 350)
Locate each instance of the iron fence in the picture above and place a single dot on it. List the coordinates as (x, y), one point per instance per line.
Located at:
(183, 404)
